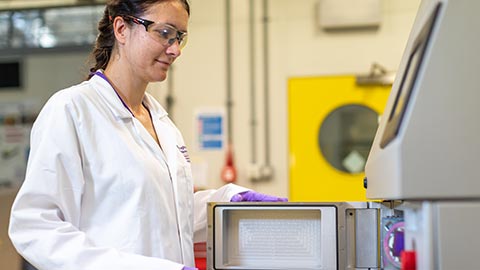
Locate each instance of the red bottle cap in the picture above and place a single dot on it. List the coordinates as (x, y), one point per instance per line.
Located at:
(409, 260)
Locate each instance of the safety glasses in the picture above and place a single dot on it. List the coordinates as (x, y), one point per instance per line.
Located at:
(164, 33)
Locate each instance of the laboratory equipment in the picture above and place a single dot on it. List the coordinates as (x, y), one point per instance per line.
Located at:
(248, 236)
(426, 146)
(422, 169)
(425, 151)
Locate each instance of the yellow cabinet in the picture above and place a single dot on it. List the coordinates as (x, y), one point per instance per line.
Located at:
(332, 123)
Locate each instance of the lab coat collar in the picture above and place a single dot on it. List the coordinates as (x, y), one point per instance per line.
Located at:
(106, 91)
(156, 110)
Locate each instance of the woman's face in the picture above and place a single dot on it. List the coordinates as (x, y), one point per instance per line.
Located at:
(148, 57)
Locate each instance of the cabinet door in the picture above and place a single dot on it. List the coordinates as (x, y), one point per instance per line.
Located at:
(332, 123)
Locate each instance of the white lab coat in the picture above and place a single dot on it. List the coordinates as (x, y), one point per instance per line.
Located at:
(100, 194)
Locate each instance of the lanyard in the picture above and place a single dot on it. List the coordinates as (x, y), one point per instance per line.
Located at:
(101, 75)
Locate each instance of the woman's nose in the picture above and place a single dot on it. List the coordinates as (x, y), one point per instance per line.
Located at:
(174, 49)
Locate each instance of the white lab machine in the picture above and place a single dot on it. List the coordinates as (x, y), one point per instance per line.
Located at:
(327, 236)
(427, 145)
(426, 150)
(423, 166)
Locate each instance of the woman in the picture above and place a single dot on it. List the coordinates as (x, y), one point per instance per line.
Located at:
(108, 184)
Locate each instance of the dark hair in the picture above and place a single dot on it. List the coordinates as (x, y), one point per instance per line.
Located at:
(102, 50)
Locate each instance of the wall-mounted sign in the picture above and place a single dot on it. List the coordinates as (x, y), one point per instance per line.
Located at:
(210, 129)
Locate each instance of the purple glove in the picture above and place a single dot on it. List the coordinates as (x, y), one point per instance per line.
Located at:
(189, 268)
(252, 196)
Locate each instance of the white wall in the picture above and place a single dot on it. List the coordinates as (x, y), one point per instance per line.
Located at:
(45, 74)
(297, 48)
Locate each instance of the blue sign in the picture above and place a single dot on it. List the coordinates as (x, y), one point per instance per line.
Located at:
(210, 131)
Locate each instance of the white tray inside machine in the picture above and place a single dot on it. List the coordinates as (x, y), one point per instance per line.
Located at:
(275, 237)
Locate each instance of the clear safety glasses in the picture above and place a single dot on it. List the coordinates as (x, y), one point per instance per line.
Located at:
(164, 33)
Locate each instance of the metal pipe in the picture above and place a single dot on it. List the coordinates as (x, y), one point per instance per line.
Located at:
(229, 173)
(253, 105)
(228, 70)
(266, 82)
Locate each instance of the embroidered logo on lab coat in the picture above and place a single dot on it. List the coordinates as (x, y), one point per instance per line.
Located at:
(183, 150)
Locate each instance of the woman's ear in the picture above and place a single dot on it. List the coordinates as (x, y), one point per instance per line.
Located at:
(120, 29)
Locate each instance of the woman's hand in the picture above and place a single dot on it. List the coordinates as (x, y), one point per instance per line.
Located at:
(252, 196)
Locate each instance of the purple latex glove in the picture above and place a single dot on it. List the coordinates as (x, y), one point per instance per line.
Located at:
(189, 268)
(252, 196)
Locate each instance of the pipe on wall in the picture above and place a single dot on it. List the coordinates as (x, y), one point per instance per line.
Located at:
(259, 172)
(253, 102)
(228, 70)
(229, 172)
(266, 171)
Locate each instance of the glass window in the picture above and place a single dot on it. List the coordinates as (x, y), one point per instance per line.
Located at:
(346, 135)
(4, 29)
(55, 27)
(71, 26)
(24, 26)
